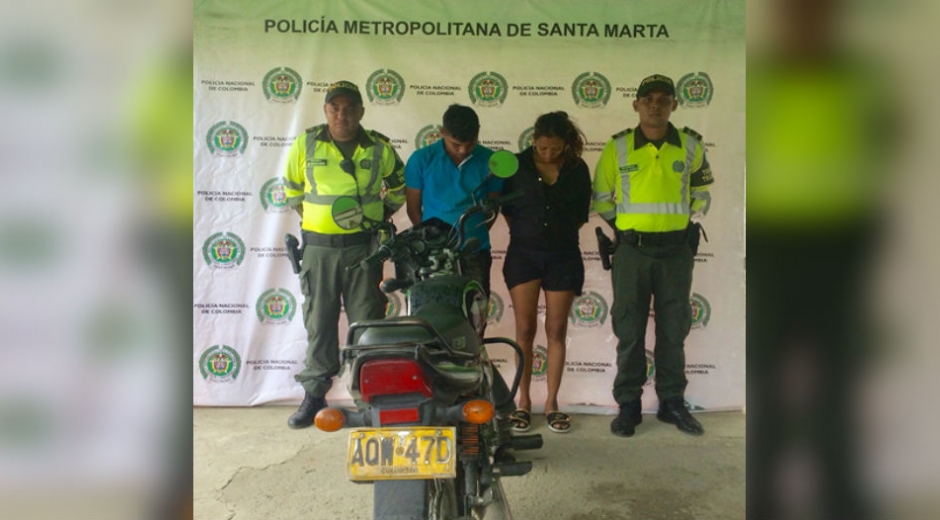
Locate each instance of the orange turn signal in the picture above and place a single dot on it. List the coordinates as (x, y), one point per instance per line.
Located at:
(478, 411)
(329, 419)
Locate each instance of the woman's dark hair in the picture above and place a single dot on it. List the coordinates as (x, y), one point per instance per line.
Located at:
(557, 124)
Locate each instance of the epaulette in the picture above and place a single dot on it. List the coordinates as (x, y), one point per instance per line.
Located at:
(691, 132)
(622, 133)
(380, 136)
(315, 129)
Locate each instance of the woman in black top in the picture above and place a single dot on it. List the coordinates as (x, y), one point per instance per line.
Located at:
(543, 250)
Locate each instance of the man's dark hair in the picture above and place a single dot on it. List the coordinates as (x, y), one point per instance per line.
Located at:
(461, 123)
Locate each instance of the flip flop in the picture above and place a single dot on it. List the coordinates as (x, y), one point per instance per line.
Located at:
(558, 422)
(521, 420)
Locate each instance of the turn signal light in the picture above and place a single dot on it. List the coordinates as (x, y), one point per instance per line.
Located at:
(478, 411)
(329, 419)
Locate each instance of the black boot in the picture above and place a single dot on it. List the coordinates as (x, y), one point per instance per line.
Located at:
(631, 414)
(673, 411)
(304, 415)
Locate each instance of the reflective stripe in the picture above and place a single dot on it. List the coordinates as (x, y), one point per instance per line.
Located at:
(622, 149)
(327, 200)
(377, 149)
(311, 148)
(293, 185)
(666, 208)
(690, 144)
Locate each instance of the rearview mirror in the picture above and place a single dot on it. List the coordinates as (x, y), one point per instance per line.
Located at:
(503, 164)
(347, 213)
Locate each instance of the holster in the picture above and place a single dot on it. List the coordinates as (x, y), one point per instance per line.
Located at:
(695, 233)
(605, 247)
(294, 252)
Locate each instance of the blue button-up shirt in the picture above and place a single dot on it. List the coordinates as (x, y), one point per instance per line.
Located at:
(446, 188)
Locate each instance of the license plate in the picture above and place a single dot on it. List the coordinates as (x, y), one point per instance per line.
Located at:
(413, 452)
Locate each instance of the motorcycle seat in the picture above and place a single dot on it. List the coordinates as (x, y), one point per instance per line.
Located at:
(458, 378)
(404, 332)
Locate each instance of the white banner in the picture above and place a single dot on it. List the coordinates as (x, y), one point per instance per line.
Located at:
(260, 73)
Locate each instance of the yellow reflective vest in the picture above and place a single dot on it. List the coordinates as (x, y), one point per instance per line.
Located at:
(316, 179)
(647, 189)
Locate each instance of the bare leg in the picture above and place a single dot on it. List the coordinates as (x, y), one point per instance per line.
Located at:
(525, 302)
(557, 307)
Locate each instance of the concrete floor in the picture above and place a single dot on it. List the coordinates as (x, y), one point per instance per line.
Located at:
(247, 464)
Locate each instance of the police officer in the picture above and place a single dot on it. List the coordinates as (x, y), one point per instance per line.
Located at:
(649, 182)
(328, 161)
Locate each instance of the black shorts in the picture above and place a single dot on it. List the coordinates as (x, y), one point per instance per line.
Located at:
(558, 270)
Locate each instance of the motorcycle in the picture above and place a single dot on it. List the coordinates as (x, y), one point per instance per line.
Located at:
(430, 429)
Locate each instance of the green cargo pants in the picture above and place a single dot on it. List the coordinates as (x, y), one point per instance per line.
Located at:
(663, 273)
(324, 280)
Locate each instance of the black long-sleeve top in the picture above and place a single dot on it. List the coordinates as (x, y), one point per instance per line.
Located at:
(547, 218)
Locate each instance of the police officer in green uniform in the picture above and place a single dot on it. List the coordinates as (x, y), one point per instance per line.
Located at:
(324, 163)
(649, 182)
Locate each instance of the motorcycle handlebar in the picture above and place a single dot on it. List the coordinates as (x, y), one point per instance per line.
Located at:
(486, 206)
(380, 255)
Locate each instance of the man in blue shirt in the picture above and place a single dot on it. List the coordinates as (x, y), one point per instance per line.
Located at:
(447, 177)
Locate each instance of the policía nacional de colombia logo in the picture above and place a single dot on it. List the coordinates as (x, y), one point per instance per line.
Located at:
(695, 90)
(282, 85)
(494, 311)
(525, 138)
(488, 89)
(223, 250)
(588, 310)
(591, 90)
(227, 138)
(701, 311)
(220, 363)
(276, 306)
(539, 362)
(650, 367)
(427, 136)
(385, 87)
(393, 308)
(273, 197)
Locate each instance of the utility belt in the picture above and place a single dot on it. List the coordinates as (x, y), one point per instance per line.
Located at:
(338, 240)
(651, 239)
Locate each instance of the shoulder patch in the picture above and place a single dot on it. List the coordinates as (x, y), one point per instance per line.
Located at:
(622, 133)
(691, 132)
(380, 136)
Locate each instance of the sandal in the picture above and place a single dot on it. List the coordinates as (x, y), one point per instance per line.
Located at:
(558, 422)
(521, 420)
